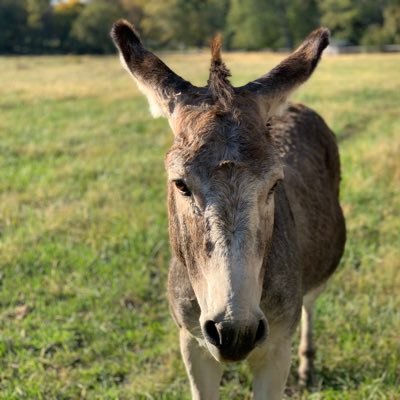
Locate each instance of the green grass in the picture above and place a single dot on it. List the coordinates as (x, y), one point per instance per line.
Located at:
(83, 232)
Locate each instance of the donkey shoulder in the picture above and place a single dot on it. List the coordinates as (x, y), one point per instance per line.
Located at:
(302, 136)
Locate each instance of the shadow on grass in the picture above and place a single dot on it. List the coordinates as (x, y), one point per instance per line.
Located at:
(340, 378)
(353, 128)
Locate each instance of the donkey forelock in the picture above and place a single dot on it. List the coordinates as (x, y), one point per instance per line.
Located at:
(218, 83)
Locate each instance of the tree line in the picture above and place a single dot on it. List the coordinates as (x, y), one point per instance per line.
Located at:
(79, 26)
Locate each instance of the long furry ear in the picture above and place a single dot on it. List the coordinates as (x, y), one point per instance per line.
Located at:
(160, 84)
(218, 82)
(275, 87)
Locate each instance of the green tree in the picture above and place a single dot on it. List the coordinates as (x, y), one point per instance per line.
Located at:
(340, 16)
(303, 16)
(179, 23)
(45, 26)
(350, 20)
(91, 28)
(134, 10)
(38, 25)
(37, 9)
(251, 24)
(391, 24)
(13, 26)
(63, 16)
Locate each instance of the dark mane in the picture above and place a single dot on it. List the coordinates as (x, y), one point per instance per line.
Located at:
(218, 81)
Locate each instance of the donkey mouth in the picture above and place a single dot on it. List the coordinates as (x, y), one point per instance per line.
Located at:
(234, 356)
(230, 355)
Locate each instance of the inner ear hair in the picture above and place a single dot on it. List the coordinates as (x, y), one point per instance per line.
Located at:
(162, 87)
(275, 87)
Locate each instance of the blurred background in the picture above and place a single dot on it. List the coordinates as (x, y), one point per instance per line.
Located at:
(78, 26)
(84, 246)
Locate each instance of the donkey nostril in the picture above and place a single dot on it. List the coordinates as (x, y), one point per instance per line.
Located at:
(211, 333)
(261, 332)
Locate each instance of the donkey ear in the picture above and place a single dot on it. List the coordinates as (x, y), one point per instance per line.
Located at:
(161, 86)
(275, 87)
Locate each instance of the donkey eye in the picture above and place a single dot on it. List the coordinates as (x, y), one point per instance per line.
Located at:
(182, 187)
(273, 188)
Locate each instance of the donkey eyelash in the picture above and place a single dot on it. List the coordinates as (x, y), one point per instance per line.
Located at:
(182, 187)
(185, 191)
(274, 187)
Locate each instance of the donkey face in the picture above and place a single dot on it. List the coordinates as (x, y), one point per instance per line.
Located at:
(222, 171)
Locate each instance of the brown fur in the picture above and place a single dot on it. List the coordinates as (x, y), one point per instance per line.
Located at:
(231, 149)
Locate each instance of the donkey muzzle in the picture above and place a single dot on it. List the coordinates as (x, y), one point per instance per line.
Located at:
(235, 340)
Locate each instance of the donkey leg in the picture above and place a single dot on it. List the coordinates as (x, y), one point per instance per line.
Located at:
(204, 371)
(306, 347)
(270, 370)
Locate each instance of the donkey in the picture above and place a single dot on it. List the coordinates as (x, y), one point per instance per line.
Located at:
(255, 224)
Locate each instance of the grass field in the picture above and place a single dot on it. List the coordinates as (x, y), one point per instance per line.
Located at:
(83, 232)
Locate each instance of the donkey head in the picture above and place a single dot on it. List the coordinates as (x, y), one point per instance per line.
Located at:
(222, 171)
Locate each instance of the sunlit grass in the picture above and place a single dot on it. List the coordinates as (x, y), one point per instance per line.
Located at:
(83, 231)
